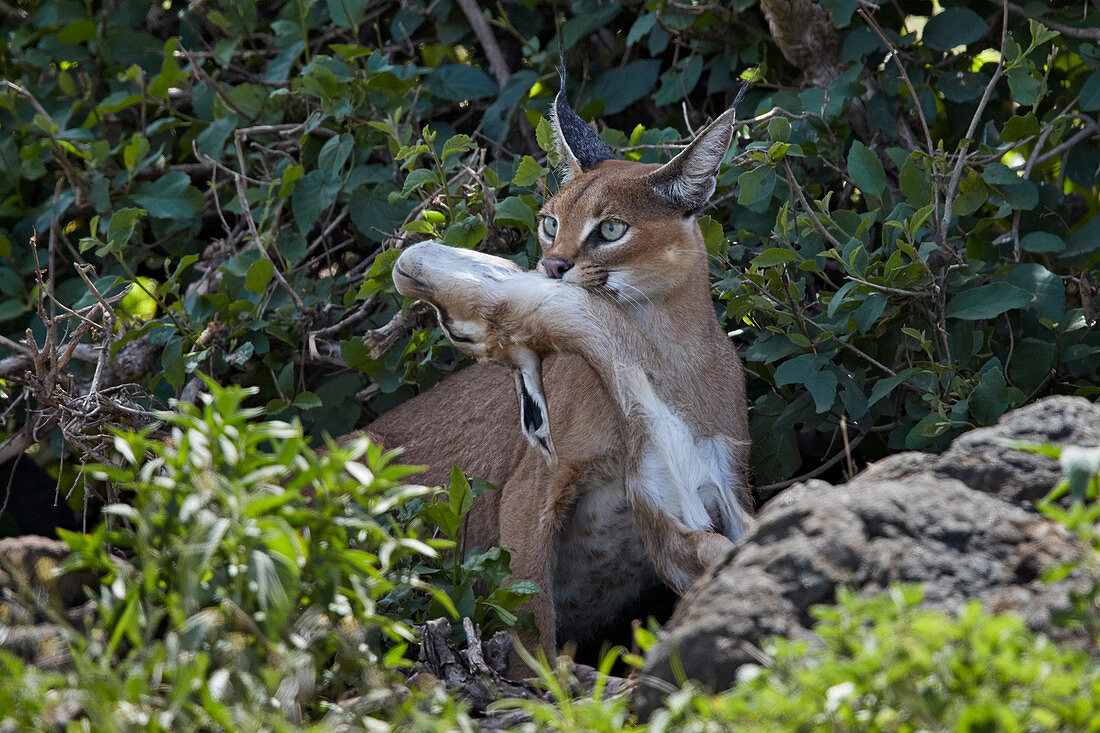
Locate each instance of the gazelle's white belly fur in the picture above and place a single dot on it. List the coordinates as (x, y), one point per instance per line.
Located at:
(681, 474)
(601, 565)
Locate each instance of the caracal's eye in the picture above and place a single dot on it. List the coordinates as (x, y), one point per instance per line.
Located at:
(612, 230)
(549, 227)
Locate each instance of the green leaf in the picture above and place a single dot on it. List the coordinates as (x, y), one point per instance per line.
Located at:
(713, 236)
(866, 169)
(460, 83)
(259, 275)
(170, 197)
(1018, 127)
(512, 211)
(211, 141)
(347, 13)
(772, 257)
(679, 81)
(755, 187)
(1090, 93)
(457, 144)
(77, 32)
(466, 234)
(1031, 362)
(459, 494)
(528, 171)
(290, 176)
(121, 227)
(953, 27)
(416, 179)
(1042, 242)
(619, 88)
(886, 385)
(807, 370)
(133, 154)
(779, 129)
(915, 186)
(1084, 239)
(334, 154)
(987, 301)
(1047, 289)
(544, 135)
(841, 10)
(643, 25)
(1024, 86)
(1000, 174)
(306, 400)
(312, 194)
(1023, 195)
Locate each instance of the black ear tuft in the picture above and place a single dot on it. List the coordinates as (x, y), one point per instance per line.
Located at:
(580, 147)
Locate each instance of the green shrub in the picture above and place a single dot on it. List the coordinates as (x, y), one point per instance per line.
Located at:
(242, 580)
(889, 665)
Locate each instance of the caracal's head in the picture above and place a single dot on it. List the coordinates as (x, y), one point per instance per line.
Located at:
(467, 290)
(628, 229)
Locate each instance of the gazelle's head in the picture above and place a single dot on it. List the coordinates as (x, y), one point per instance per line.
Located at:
(623, 228)
(469, 290)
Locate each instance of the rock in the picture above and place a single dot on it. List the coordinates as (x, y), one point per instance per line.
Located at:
(913, 519)
(32, 560)
(982, 460)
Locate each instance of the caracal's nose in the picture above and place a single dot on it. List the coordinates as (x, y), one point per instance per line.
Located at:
(556, 266)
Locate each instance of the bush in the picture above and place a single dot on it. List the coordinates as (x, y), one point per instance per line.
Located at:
(242, 581)
(888, 665)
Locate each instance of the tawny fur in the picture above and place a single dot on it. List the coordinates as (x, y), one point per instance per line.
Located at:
(684, 481)
(572, 526)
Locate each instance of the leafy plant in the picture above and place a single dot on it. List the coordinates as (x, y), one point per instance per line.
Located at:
(473, 578)
(245, 573)
(888, 664)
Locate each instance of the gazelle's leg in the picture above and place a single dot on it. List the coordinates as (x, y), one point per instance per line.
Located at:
(530, 514)
(679, 556)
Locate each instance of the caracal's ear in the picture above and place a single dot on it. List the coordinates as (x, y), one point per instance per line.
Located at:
(578, 144)
(534, 418)
(687, 181)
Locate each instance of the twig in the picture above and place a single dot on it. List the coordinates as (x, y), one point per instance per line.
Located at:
(1089, 129)
(15, 444)
(488, 41)
(1092, 34)
(956, 174)
(356, 316)
(837, 458)
(108, 330)
(246, 210)
(809, 211)
(62, 156)
(201, 72)
(904, 75)
(287, 129)
(886, 289)
(382, 338)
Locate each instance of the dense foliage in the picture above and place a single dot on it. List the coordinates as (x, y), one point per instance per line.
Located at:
(904, 247)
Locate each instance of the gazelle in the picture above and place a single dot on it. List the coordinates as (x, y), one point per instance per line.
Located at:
(623, 235)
